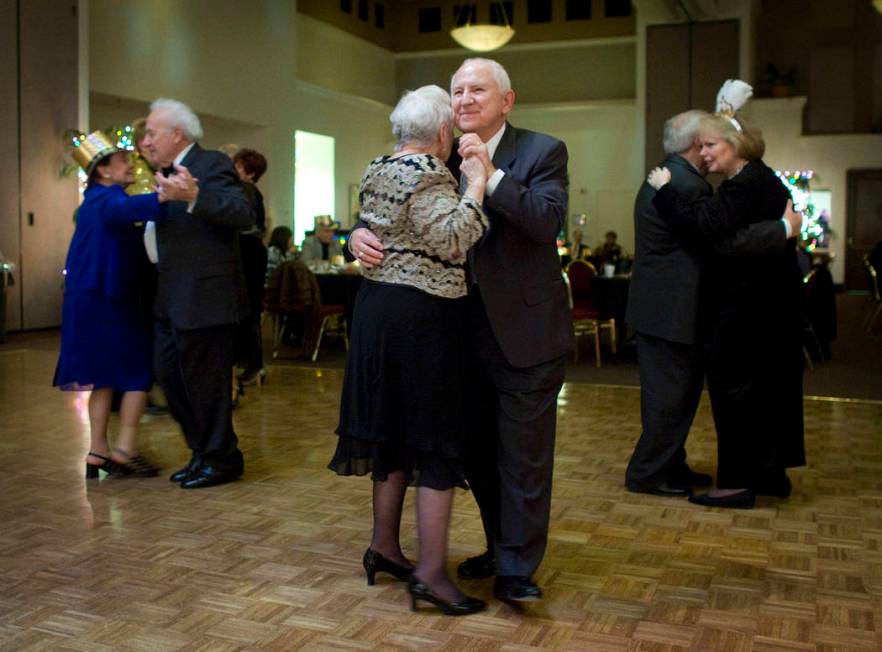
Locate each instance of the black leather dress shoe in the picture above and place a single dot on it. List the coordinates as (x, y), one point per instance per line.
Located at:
(183, 474)
(516, 588)
(478, 567)
(664, 489)
(689, 478)
(742, 500)
(209, 476)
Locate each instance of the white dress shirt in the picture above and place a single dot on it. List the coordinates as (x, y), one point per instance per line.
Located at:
(492, 146)
(150, 227)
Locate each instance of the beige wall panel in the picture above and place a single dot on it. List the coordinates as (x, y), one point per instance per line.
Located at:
(714, 60)
(330, 57)
(833, 111)
(667, 83)
(9, 179)
(49, 92)
(561, 74)
(606, 161)
(235, 63)
(685, 66)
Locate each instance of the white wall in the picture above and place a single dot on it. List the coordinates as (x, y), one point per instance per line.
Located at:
(830, 156)
(606, 161)
(329, 57)
(235, 63)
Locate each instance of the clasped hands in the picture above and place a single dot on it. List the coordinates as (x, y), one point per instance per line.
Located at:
(181, 186)
(476, 164)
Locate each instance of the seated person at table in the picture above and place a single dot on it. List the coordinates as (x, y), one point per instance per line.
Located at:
(610, 251)
(322, 245)
(279, 249)
(579, 250)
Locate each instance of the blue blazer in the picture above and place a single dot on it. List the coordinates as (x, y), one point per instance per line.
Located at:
(106, 247)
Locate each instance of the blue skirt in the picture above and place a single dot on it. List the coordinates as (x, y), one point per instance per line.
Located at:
(104, 343)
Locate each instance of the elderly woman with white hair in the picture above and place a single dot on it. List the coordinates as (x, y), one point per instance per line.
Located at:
(401, 413)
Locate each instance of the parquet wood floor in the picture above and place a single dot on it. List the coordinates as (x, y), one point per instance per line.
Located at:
(273, 562)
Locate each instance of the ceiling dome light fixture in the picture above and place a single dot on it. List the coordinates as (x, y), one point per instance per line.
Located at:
(483, 38)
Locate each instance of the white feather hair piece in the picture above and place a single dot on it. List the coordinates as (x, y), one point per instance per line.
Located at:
(733, 94)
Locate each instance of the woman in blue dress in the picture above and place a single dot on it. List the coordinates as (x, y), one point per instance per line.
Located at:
(104, 345)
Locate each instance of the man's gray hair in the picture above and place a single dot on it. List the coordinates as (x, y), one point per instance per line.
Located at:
(502, 79)
(180, 116)
(419, 115)
(681, 131)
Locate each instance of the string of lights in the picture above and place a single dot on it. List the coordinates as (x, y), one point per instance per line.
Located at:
(816, 224)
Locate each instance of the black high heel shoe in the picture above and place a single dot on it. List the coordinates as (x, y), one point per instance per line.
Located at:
(109, 466)
(374, 562)
(420, 591)
(139, 465)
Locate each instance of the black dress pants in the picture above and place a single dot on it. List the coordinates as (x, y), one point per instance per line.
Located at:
(195, 369)
(671, 380)
(509, 456)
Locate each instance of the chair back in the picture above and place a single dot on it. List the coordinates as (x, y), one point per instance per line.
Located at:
(292, 287)
(566, 280)
(873, 279)
(808, 283)
(581, 275)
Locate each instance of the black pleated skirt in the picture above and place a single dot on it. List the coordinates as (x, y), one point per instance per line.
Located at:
(402, 402)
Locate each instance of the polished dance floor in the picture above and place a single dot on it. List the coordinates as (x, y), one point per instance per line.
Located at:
(273, 562)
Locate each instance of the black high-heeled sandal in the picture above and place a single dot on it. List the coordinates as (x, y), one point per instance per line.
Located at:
(140, 466)
(420, 591)
(375, 562)
(109, 466)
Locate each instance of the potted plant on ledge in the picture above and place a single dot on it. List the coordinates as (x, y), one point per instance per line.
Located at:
(778, 83)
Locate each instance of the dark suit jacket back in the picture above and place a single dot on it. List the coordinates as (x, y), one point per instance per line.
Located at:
(200, 282)
(516, 264)
(663, 297)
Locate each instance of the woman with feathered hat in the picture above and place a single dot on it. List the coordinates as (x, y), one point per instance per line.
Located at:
(752, 307)
(104, 345)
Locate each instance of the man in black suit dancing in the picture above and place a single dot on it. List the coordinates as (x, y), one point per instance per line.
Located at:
(663, 310)
(200, 292)
(520, 326)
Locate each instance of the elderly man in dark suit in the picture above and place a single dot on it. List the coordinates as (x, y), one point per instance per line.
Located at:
(520, 326)
(200, 293)
(663, 310)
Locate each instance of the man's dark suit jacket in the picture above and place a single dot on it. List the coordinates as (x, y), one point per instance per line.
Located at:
(201, 283)
(516, 264)
(664, 293)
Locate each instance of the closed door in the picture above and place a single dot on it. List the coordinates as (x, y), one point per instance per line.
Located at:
(685, 67)
(864, 223)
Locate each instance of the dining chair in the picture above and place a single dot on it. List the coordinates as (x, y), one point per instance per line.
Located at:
(581, 275)
(294, 290)
(584, 323)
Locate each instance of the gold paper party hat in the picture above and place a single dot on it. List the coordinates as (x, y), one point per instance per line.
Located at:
(92, 149)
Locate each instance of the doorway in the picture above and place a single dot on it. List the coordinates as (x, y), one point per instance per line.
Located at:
(313, 180)
(863, 224)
